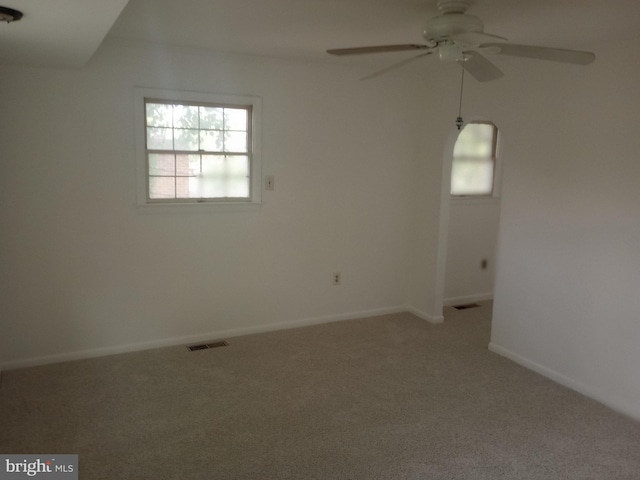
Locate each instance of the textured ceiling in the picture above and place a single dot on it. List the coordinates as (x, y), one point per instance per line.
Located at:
(306, 28)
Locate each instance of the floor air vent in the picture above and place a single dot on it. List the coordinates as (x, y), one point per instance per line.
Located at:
(465, 307)
(205, 346)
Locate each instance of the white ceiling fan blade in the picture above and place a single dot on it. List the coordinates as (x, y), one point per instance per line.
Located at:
(542, 53)
(376, 49)
(479, 67)
(476, 38)
(395, 65)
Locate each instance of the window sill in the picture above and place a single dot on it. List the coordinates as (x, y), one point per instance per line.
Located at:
(198, 207)
(471, 200)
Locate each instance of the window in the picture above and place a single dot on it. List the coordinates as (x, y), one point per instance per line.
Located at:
(474, 160)
(197, 148)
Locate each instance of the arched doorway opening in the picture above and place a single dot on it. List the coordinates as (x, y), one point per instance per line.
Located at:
(469, 214)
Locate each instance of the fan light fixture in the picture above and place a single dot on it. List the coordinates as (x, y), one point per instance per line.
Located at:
(450, 53)
(9, 15)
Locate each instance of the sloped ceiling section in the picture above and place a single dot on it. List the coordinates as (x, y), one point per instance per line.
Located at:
(56, 33)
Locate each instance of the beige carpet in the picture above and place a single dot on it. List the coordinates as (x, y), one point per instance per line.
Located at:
(389, 397)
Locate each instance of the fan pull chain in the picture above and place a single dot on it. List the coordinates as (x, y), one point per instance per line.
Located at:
(459, 121)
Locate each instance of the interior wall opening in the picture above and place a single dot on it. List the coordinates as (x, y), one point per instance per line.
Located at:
(470, 212)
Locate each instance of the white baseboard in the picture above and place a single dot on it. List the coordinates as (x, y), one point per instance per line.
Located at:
(480, 297)
(423, 315)
(622, 406)
(198, 338)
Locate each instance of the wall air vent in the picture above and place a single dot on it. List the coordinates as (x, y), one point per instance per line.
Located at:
(205, 346)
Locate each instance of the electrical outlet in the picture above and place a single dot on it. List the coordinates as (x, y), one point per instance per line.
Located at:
(269, 182)
(337, 278)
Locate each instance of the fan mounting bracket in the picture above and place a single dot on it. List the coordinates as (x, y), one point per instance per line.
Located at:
(444, 26)
(453, 6)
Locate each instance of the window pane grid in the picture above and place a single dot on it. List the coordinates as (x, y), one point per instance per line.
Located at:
(201, 176)
(474, 158)
(197, 151)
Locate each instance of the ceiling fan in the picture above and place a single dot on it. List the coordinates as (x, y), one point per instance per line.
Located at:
(458, 37)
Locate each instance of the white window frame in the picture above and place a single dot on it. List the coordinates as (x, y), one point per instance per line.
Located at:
(497, 167)
(255, 167)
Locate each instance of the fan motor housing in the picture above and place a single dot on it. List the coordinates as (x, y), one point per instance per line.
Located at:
(443, 26)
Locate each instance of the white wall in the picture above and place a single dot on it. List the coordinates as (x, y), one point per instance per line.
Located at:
(472, 236)
(567, 299)
(85, 271)
(358, 170)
